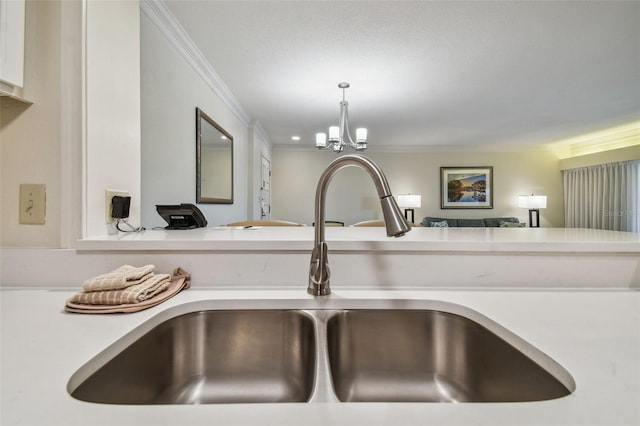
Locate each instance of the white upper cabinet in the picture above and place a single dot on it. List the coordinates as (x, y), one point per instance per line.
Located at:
(12, 23)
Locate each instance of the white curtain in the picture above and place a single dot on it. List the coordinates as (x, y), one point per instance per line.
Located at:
(605, 196)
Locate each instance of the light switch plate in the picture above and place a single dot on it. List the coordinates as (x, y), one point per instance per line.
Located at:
(33, 204)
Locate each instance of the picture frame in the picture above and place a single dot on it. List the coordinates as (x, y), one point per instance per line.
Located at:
(466, 187)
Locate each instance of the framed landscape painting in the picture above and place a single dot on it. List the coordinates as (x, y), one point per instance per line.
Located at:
(466, 187)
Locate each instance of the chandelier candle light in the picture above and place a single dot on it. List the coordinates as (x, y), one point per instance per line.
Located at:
(339, 136)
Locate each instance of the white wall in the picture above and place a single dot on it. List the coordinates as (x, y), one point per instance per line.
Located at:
(352, 197)
(112, 108)
(171, 89)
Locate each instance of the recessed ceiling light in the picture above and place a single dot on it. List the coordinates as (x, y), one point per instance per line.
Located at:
(295, 138)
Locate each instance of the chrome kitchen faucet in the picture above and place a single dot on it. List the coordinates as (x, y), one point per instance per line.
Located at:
(396, 224)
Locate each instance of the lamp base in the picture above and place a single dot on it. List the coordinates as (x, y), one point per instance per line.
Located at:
(532, 213)
(406, 214)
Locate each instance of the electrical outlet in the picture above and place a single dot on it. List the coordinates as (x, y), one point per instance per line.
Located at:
(108, 196)
(33, 204)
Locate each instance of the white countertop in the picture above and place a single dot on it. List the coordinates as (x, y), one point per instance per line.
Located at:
(372, 238)
(595, 335)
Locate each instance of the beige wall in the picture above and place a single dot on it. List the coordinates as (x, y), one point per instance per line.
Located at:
(31, 136)
(352, 197)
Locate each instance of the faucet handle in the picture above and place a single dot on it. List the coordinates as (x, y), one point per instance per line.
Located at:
(319, 272)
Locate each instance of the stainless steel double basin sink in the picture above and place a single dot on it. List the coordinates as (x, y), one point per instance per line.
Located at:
(319, 351)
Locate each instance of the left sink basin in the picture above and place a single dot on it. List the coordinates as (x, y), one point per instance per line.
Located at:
(208, 357)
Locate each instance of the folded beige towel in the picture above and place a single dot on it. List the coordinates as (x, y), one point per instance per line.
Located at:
(132, 294)
(180, 280)
(122, 277)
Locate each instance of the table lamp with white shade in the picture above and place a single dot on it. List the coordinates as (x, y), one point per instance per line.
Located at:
(534, 203)
(409, 202)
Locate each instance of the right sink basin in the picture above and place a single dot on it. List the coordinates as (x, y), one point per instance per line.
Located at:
(395, 355)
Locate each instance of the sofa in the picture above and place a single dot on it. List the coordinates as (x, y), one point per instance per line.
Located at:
(490, 222)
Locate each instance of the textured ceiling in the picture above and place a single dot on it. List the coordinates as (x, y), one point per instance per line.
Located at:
(440, 74)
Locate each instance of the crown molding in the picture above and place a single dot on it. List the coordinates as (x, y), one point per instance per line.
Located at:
(163, 19)
(604, 140)
(262, 134)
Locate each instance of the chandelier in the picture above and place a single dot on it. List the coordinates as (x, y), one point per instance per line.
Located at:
(339, 136)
